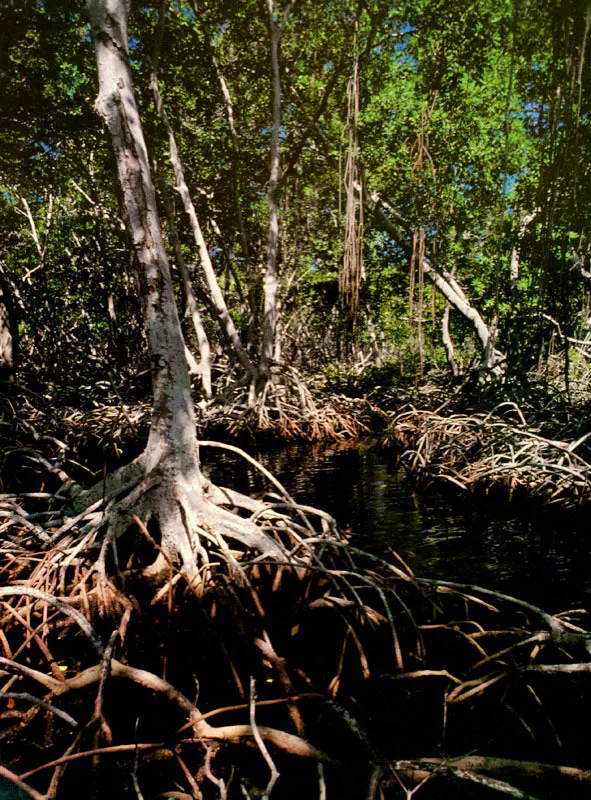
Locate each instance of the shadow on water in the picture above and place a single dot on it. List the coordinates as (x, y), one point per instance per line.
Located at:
(534, 553)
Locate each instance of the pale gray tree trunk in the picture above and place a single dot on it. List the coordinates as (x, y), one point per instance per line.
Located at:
(516, 252)
(253, 293)
(447, 341)
(172, 444)
(454, 294)
(229, 106)
(271, 274)
(192, 310)
(7, 333)
(165, 484)
(225, 320)
(203, 368)
(254, 287)
(373, 338)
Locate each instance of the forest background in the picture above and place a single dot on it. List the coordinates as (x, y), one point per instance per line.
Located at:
(364, 204)
(366, 185)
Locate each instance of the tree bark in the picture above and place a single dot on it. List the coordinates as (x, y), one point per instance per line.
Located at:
(516, 251)
(271, 277)
(452, 292)
(447, 342)
(171, 452)
(229, 106)
(165, 484)
(192, 310)
(224, 318)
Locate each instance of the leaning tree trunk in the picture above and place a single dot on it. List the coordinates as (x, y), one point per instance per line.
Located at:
(224, 319)
(191, 310)
(493, 361)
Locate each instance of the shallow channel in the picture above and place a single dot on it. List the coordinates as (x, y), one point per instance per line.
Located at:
(538, 554)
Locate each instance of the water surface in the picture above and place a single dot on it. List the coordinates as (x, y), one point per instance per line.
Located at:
(537, 554)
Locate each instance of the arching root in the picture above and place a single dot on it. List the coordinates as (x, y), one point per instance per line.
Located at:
(287, 625)
(189, 530)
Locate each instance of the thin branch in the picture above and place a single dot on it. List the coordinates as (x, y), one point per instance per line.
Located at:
(260, 743)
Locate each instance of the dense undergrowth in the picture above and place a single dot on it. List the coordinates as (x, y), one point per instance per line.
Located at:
(359, 678)
(336, 675)
(524, 436)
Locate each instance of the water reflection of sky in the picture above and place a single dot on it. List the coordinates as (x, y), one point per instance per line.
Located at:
(541, 556)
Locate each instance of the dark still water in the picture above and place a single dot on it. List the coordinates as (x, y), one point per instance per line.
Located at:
(537, 554)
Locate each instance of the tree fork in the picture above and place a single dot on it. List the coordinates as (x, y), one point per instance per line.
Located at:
(223, 316)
